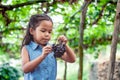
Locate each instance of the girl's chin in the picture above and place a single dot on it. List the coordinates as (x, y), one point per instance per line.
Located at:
(44, 44)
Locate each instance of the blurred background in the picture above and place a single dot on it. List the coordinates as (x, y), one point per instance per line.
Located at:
(88, 25)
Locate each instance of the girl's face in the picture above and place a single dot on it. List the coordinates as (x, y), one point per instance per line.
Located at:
(42, 33)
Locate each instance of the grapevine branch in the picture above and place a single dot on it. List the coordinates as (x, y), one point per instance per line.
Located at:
(4, 8)
(10, 7)
(101, 12)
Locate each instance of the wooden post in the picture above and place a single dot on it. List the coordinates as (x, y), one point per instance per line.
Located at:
(114, 43)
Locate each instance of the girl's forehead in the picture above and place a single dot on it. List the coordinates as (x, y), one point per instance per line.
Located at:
(45, 24)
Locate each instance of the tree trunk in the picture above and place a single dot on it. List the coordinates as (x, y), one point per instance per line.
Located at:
(114, 42)
(81, 31)
(65, 71)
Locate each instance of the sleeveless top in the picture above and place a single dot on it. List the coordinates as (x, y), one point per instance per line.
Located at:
(46, 70)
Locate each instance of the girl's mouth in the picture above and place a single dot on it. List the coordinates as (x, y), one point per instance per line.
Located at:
(46, 40)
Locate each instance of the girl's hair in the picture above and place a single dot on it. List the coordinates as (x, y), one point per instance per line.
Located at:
(34, 22)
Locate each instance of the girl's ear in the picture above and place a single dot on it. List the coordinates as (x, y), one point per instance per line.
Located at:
(31, 31)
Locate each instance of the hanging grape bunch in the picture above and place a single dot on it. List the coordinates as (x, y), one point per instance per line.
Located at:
(58, 49)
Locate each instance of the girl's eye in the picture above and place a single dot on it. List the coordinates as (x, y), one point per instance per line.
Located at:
(50, 32)
(42, 30)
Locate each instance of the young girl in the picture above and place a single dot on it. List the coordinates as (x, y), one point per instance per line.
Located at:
(38, 61)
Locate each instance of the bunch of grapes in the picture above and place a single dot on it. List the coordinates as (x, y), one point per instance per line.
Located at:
(58, 49)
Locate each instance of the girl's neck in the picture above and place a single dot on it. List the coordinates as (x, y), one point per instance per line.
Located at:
(42, 45)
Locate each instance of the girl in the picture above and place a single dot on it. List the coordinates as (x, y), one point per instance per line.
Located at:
(38, 61)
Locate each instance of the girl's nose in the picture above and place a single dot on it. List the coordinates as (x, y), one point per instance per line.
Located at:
(47, 33)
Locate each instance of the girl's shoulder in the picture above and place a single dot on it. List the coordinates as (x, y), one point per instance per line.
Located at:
(24, 48)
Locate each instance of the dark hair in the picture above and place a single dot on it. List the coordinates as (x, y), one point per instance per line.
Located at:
(34, 22)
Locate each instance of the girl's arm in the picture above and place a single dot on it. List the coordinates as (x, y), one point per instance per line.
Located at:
(69, 55)
(27, 65)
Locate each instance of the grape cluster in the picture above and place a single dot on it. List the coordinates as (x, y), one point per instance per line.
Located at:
(58, 49)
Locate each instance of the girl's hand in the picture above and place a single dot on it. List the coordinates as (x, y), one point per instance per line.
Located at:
(46, 50)
(63, 39)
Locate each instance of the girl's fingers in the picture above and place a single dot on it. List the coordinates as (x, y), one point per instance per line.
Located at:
(63, 39)
(48, 47)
